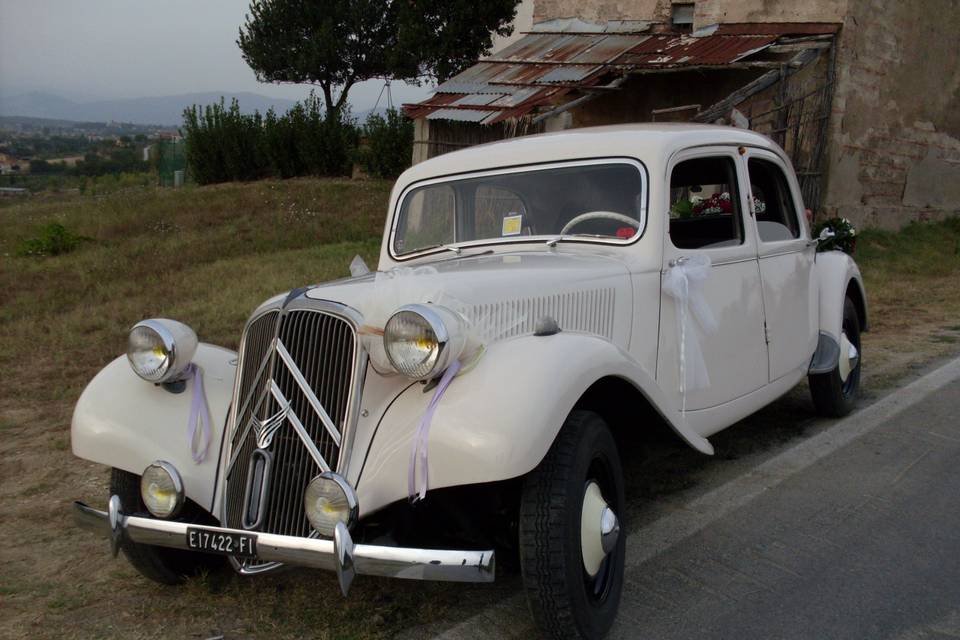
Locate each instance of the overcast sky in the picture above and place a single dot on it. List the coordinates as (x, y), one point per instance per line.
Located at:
(100, 49)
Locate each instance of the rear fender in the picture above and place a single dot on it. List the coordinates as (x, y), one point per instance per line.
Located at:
(837, 272)
(498, 421)
(126, 422)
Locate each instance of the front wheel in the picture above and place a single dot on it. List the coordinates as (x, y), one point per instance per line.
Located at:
(571, 547)
(161, 564)
(835, 392)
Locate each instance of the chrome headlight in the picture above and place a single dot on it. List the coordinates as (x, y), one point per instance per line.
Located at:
(161, 489)
(327, 501)
(422, 340)
(160, 349)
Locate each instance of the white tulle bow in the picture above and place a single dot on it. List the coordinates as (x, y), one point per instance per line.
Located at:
(684, 283)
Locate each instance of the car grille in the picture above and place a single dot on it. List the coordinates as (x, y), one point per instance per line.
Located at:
(293, 402)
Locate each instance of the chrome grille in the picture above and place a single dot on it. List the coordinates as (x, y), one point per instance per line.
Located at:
(293, 400)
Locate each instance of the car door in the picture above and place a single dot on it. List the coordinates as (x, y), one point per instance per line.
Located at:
(786, 258)
(707, 216)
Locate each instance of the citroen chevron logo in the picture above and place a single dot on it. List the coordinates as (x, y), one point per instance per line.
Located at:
(264, 430)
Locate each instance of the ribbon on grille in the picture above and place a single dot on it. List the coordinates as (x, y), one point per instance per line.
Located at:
(422, 435)
(199, 413)
(684, 283)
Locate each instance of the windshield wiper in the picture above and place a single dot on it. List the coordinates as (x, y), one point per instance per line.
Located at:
(552, 242)
(448, 247)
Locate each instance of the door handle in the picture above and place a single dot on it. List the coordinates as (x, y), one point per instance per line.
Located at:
(678, 262)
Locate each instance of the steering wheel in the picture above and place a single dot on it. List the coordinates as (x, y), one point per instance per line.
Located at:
(599, 215)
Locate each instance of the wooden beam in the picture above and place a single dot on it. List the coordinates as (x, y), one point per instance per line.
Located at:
(722, 108)
(797, 46)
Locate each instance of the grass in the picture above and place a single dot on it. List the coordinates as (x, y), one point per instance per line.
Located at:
(208, 256)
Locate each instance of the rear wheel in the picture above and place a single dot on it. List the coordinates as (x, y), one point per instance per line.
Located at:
(571, 548)
(835, 393)
(161, 564)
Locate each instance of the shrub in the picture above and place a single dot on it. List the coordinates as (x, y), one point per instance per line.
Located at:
(223, 144)
(54, 239)
(389, 144)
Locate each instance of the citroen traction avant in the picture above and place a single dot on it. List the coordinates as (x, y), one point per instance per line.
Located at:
(535, 300)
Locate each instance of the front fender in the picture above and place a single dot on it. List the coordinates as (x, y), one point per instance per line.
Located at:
(125, 422)
(499, 420)
(836, 271)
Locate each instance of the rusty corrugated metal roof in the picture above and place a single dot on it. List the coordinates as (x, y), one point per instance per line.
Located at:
(538, 69)
(672, 50)
(778, 28)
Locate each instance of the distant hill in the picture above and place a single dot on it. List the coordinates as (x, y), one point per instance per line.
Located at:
(160, 110)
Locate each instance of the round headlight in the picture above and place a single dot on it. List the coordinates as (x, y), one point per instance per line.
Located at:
(161, 489)
(160, 349)
(422, 340)
(327, 501)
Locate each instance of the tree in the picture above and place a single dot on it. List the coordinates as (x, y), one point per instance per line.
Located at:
(337, 43)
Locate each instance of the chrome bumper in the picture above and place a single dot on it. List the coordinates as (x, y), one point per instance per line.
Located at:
(339, 554)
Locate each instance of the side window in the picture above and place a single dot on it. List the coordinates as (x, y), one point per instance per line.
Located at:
(427, 219)
(499, 212)
(772, 202)
(705, 204)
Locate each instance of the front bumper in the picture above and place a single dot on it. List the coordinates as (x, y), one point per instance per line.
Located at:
(339, 554)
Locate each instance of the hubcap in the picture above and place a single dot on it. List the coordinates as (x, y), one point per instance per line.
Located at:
(609, 530)
(599, 529)
(849, 357)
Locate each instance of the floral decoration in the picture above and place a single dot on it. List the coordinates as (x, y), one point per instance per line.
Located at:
(844, 235)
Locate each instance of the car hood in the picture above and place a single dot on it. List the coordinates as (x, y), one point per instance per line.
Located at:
(505, 294)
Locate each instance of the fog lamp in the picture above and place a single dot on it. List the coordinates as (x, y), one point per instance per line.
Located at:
(329, 500)
(161, 489)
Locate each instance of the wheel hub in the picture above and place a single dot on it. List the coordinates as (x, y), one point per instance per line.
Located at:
(599, 529)
(849, 357)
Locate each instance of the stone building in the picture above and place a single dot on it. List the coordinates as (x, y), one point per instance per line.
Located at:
(863, 94)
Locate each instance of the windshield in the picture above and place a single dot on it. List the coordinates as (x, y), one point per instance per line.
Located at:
(597, 200)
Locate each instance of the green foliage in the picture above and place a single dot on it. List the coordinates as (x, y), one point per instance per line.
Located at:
(40, 167)
(53, 239)
(681, 209)
(337, 43)
(389, 144)
(223, 144)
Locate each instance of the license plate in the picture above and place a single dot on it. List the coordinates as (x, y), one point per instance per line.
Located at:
(243, 545)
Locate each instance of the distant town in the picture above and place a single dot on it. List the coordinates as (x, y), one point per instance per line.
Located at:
(33, 150)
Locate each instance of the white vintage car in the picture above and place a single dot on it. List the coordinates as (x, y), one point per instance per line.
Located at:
(534, 300)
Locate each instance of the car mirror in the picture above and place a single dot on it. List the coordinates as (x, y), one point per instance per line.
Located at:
(825, 234)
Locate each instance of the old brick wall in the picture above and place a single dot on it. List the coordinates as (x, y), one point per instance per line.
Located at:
(708, 12)
(602, 10)
(895, 127)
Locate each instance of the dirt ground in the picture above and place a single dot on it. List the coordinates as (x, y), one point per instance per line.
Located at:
(58, 581)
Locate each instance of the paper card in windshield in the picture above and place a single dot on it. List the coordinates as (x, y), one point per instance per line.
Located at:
(512, 224)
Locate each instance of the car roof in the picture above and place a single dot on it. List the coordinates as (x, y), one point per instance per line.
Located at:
(651, 143)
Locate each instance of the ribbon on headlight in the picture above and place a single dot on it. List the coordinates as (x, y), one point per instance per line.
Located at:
(684, 283)
(422, 436)
(199, 413)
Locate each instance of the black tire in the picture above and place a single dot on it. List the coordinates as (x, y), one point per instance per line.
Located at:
(564, 600)
(832, 397)
(161, 564)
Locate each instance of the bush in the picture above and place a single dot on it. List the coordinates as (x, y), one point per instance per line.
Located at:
(389, 144)
(223, 144)
(54, 239)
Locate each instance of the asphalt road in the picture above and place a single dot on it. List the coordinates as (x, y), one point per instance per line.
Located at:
(864, 543)
(852, 533)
